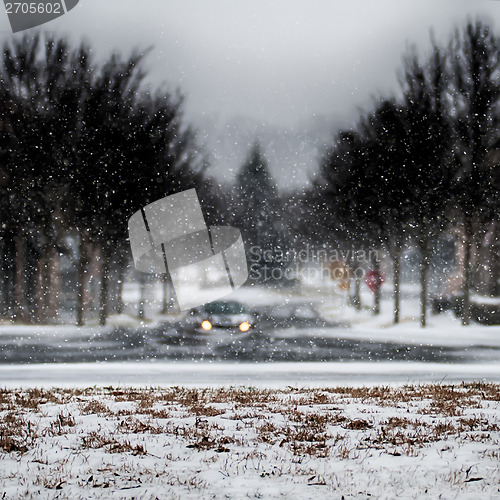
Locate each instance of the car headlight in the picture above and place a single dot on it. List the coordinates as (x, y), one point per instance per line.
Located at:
(206, 325)
(245, 326)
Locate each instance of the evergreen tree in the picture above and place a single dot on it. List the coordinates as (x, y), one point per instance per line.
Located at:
(257, 211)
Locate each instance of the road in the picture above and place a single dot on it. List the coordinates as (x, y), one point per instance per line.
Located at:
(279, 345)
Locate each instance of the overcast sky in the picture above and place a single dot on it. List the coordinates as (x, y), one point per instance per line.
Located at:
(276, 61)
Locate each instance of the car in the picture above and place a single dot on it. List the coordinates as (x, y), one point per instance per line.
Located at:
(223, 315)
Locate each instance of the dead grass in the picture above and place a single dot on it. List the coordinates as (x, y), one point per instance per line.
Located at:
(95, 440)
(307, 422)
(95, 406)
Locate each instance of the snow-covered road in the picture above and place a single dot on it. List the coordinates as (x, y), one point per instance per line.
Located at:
(247, 374)
(372, 351)
(449, 344)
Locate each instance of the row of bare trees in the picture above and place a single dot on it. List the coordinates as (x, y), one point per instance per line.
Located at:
(82, 147)
(420, 163)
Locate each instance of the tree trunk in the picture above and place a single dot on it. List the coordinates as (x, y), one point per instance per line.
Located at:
(424, 265)
(493, 267)
(53, 283)
(81, 282)
(9, 274)
(41, 288)
(19, 280)
(119, 288)
(4, 280)
(47, 284)
(495, 270)
(467, 273)
(397, 276)
(378, 288)
(32, 256)
(103, 303)
(357, 293)
(92, 291)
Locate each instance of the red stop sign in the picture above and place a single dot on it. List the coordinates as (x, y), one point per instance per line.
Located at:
(374, 280)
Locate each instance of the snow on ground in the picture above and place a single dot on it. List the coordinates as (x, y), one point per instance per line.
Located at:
(225, 374)
(437, 441)
(479, 299)
(442, 330)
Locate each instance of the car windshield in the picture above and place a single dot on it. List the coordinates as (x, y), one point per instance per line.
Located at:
(226, 308)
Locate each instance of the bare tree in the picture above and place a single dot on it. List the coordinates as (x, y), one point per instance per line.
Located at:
(475, 63)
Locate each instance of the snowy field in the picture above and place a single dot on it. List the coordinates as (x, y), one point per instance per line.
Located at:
(414, 441)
